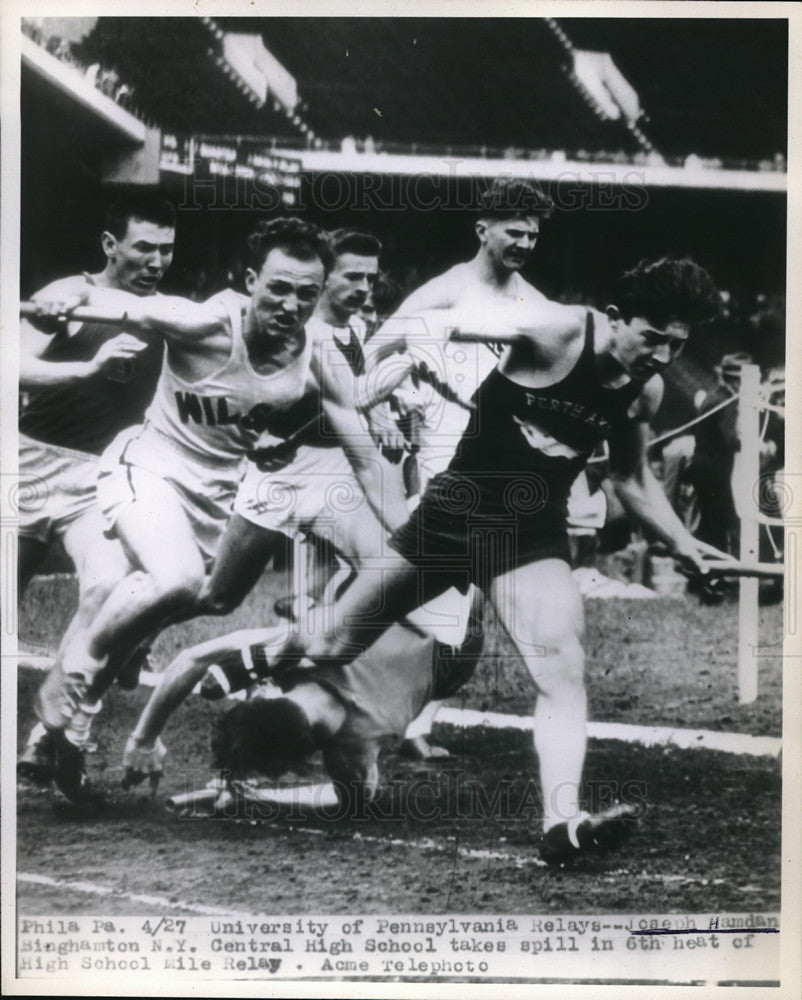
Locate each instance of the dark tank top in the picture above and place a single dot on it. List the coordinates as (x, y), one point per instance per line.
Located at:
(524, 447)
(87, 415)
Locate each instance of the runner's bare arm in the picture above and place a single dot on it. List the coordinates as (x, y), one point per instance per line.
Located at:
(406, 322)
(337, 394)
(546, 324)
(177, 319)
(540, 322)
(36, 371)
(181, 676)
(638, 489)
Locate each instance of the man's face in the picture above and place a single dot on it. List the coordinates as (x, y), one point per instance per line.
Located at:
(508, 242)
(139, 259)
(350, 282)
(643, 348)
(284, 292)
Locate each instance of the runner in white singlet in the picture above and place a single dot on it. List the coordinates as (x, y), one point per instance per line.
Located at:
(305, 483)
(220, 395)
(198, 431)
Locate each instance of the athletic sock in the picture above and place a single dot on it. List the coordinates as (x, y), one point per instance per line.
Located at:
(38, 732)
(79, 726)
(573, 826)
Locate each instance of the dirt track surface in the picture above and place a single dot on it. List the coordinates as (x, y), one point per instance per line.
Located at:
(451, 837)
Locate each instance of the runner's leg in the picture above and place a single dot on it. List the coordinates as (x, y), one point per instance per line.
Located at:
(159, 540)
(540, 606)
(245, 550)
(375, 600)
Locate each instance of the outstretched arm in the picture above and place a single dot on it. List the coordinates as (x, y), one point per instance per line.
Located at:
(37, 371)
(171, 316)
(637, 487)
(543, 323)
(175, 685)
(540, 321)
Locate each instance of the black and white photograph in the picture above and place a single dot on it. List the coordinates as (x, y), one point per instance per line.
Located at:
(399, 545)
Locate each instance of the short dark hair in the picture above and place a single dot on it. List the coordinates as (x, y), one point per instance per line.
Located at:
(299, 239)
(387, 294)
(513, 198)
(266, 735)
(354, 241)
(149, 206)
(667, 290)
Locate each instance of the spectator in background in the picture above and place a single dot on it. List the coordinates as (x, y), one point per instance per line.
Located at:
(108, 82)
(772, 466)
(124, 95)
(32, 27)
(384, 297)
(710, 469)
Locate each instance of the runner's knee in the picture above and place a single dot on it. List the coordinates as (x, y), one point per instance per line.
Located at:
(97, 583)
(177, 584)
(559, 660)
(96, 587)
(212, 601)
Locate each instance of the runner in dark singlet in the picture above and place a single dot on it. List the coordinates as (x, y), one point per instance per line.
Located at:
(83, 385)
(503, 501)
(497, 516)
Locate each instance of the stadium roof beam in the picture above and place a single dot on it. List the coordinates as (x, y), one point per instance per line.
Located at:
(603, 87)
(70, 82)
(558, 170)
(245, 58)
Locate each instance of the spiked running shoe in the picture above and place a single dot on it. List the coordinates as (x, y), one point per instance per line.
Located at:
(70, 772)
(37, 762)
(592, 834)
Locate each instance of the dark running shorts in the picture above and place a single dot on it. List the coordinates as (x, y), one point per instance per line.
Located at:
(457, 547)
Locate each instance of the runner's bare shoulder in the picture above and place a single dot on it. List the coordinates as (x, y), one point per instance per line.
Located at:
(646, 405)
(226, 302)
(441, 292)
(61, 289)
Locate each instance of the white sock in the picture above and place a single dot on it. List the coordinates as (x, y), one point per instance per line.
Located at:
(37, 733)
(573, 824)
(77, 731)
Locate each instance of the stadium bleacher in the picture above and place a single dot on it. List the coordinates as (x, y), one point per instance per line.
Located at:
(501, 87)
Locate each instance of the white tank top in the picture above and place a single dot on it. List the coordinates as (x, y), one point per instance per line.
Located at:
(219, 418)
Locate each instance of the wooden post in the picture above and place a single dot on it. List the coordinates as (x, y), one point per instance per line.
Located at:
(745, 486)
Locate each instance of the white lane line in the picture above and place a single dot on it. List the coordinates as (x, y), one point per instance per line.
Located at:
(199, 909)
(470, 718)
(685, 739)
(93, 889)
